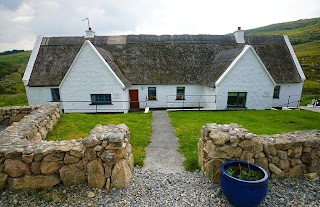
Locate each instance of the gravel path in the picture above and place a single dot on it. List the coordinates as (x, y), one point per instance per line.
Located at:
(162, 189)
(162, 155)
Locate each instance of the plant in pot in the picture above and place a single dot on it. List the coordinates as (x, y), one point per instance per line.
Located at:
(243, 183)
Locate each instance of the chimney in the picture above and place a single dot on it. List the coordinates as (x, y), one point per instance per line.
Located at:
(89, 33)
(239, 35)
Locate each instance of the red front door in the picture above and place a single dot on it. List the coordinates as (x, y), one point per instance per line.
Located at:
(134, 99)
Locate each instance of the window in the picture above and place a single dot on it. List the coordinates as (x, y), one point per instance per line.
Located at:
(152, 93)
(100, 99)
(276, 92)
(180, 93)
(55, 94)
(237, 99)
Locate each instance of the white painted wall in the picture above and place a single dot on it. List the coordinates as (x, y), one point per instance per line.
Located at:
(293, 90)
(38, 95)
(89, 74)
(166, 96)
(247, 75)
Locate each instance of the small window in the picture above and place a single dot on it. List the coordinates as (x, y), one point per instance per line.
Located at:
(180, 93)
(101, 99)
(276, 92)
(55, 94)
(152, 93)
(237, 99)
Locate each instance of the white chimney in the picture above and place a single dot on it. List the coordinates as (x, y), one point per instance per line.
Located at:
(89, 33)
(239, 35)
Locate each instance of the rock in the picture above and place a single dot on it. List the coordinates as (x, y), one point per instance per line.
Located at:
(294, 161)
(3, 180)
(107, 169)
(263, 162)
(27, 158)
(295, 152)
(212, 170)
(48, 168)
(131, 161)
(238, 151)
(69, 159)
(36, 167)
(121, 175)
(116, 137)
(77, 152)
(307, 149)
(296, 171)
(305, 158)
(311, 176)
(247, 156)
(107, 157)
(269, 149)
(314, 166)
(91, 141)
(90, 154)
(283, 155)
(91, 195)
(259, 155)
(274, 169)
(54, 157)
(249, 136)
(33, 182)
(96, 177)
(16, 168)
(283, 164)
(72, 174)
(218, 137)
(234, 139)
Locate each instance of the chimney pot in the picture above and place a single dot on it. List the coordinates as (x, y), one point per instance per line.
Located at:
(239, 35)
(239, 28)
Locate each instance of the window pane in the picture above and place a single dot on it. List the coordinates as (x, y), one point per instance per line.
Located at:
(55, 94)
(101, 99)
(152, 93)
(180, 92)
(276, 92)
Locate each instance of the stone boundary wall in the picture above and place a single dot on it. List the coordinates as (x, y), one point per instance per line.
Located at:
(281, 155)
(102, 160)
(8, 115)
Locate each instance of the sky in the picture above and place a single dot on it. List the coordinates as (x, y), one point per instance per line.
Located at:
(21, 21)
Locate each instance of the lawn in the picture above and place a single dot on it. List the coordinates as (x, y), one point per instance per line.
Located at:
(187, 125)
(73, 126)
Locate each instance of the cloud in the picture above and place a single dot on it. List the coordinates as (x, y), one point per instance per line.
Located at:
(21, 21)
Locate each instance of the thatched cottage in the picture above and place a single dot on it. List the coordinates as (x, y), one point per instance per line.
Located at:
(119, 73)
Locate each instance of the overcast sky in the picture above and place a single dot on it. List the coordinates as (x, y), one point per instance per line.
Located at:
(22, 20)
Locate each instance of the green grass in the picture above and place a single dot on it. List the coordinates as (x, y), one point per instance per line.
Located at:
(13, 100)
(73, 126)
(12, 68)
(188, 124)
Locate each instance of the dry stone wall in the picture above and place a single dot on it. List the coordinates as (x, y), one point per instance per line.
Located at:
(102, 160)
(8, 115)
(281, 155)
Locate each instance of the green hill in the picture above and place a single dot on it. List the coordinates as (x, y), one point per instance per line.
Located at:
(304, 36)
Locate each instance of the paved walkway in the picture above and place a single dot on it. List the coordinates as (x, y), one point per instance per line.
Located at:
(162, 155)
(315, 109)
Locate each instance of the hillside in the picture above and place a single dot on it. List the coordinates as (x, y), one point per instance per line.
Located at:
(12, 67)
(304, 36)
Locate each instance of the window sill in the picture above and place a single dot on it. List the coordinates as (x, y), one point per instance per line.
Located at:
(152, 99)
(276, 97)
(101, 104)
(180, 99)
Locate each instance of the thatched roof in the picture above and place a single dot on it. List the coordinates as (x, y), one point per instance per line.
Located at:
(165, 59)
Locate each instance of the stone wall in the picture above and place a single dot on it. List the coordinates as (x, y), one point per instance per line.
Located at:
(8, 115)
(281, 155)
(102, 160)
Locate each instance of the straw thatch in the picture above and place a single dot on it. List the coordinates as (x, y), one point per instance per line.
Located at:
(165, 59)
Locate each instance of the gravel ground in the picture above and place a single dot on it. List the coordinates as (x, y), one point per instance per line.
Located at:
(160, 189)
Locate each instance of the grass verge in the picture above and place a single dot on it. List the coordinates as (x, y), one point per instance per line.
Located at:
(187, 125)
(73, 126)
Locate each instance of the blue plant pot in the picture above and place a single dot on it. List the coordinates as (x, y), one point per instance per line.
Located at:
(243, 193)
